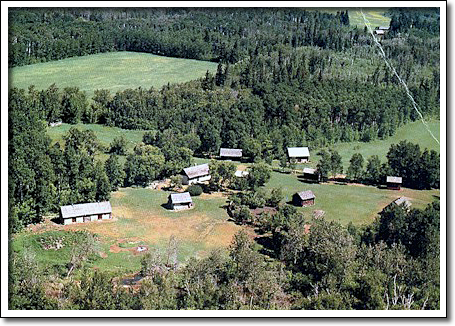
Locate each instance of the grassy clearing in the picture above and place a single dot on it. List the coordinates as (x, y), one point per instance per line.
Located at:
(358, 204)
(375, 16)
(140, 218)
(413, 132)
(114, 71)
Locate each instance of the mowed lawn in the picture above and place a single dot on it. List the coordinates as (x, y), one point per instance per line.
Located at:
(141, 219)
(114, 71)
(354, 203)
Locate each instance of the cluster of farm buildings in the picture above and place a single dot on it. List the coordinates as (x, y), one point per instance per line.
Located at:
(87, 212)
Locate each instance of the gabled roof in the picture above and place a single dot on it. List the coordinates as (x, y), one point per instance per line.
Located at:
(304, 195)
(231, 152)
(394, 179)
(69, 211)
(197, 171)
(309, 170)
(298, 152)
(179, 198)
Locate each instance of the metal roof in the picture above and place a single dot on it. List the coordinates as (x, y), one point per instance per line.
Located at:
(394, 179)
(231, 152)
(179, 198)
(76, 210)
(197, 171)
(379, 31)
(298, 152)
(304, 195)
(384, 27)
(402, 200)
(241, 174)
(309, 170)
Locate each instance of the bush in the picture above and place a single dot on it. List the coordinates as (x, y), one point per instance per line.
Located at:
(195, 190)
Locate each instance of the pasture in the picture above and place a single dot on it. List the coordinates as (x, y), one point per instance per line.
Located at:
(114, 71)
(375, 16)
(346, 203)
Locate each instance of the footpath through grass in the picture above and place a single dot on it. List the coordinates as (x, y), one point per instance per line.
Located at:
(114, 71)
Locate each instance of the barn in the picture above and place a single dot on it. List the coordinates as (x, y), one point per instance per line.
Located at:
(81, 213)
(180, 201)
(196, 174)
(394, 183)
(231, 153)
(303, 198)
(299, 154)
(310, 175)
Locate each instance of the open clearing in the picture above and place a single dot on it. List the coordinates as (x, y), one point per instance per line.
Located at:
(374, 15)
(114, 71)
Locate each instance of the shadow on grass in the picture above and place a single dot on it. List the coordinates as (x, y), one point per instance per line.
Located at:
(57, 220)
(436, 197)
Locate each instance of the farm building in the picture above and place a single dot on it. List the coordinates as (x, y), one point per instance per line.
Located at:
(303, 198)
(379, 32)
(180, 201)
(394, 183)
(241, 174)
(299, 154)
(383, 28)
(195, 174)
(81, 213)
(231, 153)
(402, 201)
(310, 175)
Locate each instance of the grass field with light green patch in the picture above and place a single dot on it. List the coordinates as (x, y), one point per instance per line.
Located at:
(375, 16)
(354, 203)
(114, 71)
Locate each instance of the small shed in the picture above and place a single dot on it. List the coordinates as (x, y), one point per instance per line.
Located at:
(196, 174)
(241, 174)
(311, 175)
(231, 153)
(394, 183)
(383, 28)
(402, 201)
(303, 198)
(180, 201)
(87, 212)
(379, 32)
(299, 154)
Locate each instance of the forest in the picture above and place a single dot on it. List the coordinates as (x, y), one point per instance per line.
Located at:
(284, 79)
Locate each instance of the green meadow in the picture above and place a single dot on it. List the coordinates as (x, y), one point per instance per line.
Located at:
(114, 71)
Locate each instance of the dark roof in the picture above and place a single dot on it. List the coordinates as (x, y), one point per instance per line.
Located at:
(69, 211)
(394, 179)
(305, 195)
(231, 152)
(197, 171)
(298, 152)
(179, 198)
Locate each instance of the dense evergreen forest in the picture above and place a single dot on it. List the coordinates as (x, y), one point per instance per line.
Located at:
(286, 77)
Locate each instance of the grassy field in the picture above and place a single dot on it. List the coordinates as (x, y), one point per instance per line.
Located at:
(114, 71)
(374, 15)
(413, 132)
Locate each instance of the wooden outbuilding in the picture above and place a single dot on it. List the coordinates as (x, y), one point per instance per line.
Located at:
(311, 175)
(394, 183)
(402, 202)
(231, 153)
(81, 213)
(299, 154)
(180, 201)
(303, 198)
(196, 174)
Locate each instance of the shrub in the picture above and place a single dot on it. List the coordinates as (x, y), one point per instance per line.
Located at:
(195, 190)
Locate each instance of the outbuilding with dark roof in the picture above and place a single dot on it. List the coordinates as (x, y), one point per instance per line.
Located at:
(303, 198)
